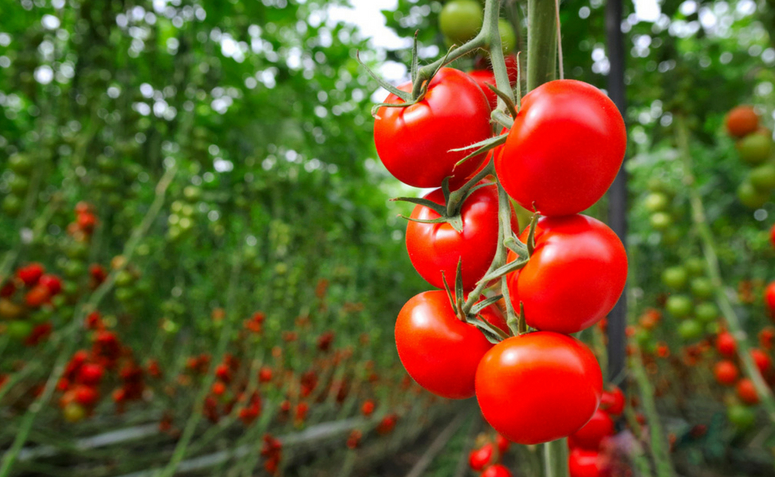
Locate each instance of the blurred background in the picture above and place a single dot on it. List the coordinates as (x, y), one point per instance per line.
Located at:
(200, 269)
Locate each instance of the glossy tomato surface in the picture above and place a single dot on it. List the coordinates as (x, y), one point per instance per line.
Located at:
(593, 432)
(439, 351)
(538, 387)
(564, 150)
(437, 248)
(415, 142)
(585, 463)
(574, 277)
(483, 78)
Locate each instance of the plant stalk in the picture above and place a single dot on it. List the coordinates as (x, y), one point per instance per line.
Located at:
(541, 42)
(714, 273)
(556, 458)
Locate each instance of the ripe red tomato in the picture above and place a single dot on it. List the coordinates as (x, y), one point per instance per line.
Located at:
(502, 443)
(439, 351)
(564, 149)
(52, 282)
(762, 360)
(436, 248)
(766, 337)
(575, 276)
(726, 372)
(593, 432)
(769, 298)
(480, 457)
(30, 274)
(37, 296)
(414, 142)
(483, 78)
(90, 374)
(496, 470)
(585, 463)
(555, 376)
(726, 344)
(772, 235)
(746, 391)
(612, 402)
(741, 121)
(86, 395)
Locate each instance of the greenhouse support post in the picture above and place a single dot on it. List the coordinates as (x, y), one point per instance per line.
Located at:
(617, 195)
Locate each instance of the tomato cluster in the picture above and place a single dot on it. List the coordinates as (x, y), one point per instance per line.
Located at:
(588, 445)
(754, 146)
(488, 455)
(565, 273)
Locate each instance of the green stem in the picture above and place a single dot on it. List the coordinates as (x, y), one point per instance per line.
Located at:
(659, 448)
(714, 273)
(556, 458)
(481, 40)
(541, 42)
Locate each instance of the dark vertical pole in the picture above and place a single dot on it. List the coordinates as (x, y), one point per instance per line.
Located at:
(617, 195)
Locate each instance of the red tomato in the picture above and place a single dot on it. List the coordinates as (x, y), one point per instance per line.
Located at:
(555, 376)
(564, 150)
(575, 276)
(483, 78)
(90, 374)
(86, 395)
(612, 402)
(762, 360)
(436, 248)
(726, 372)
(37, 296)
(484, 63)
(496, 471)
(52, 282)
(502, 442)
(726, 344)
(414, 142)
(593, 432)
(480, 457)
(772, 235)
(584, 463)
(746, 391)
(766, 337)
(30, 274)
(769, 298)
(742, 120)
(439, 351)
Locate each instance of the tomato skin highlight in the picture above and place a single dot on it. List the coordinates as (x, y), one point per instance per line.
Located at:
(440, 352)
(564, 150)
(554, 376)
(574, 277)
(414, 142)
(436, 248)
(585, 463)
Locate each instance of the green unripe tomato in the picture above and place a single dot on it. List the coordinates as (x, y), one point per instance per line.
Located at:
(680, 306)
(643, 337)
(754, 148)
(661, 220)
(125, 294)
(656, 202)
(690, 330)
(706, 312)
(18, 329)
(508, 37)
(12, 205)
(655, 184)
(742, 417)
(702, 288)
(192, 193)
(73, 412)
(751, 197)
(712, 328)
(460, 20)
(695, 266)
(20, 163)
(763, 177)
(675, 277)
(18, 184)
(74, 269)
(124, 278)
